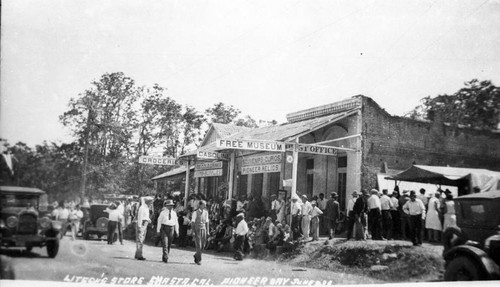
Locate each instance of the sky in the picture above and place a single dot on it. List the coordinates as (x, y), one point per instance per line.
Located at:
(267, 58)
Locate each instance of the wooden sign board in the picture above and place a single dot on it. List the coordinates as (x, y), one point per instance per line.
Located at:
(262, 159)
(250, 145)
(317, 149)
(156, 160)
(208, 173)
(208, 165)
(275, 167)
(212, 155)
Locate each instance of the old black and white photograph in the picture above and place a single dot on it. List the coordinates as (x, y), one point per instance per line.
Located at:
(249, 142)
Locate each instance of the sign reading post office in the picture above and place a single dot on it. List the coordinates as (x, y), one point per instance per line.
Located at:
(250, 145)
(156, 160)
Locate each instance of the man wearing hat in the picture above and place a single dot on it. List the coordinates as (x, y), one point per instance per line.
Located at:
(375, 215)
(350, 214)
(296, 211)
(332, 214)
(306, 217)
(167, 227)
(199, 224)
(142, 226)
(415, 208)
(240, 234)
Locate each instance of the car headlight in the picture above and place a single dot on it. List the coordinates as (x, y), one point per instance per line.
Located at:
(44, 222)
(489, 240)
(56, 225)
(12, 221)
(2, 223)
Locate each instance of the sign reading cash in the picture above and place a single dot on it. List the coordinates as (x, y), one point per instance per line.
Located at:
(261, 164)
(251, 145)
(317, 149)
(212, 155)
(156, 160)
(208, 169)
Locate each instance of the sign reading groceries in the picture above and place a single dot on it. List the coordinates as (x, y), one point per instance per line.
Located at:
(156, 160)
(251, 145)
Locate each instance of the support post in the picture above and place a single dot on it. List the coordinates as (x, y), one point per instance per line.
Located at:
(295, 164)
(231, 177)
(186, 190)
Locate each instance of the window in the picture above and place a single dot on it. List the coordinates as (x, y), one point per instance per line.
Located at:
(242, 184)
(310, 163)
(341, 188)
(342, 161)
(257, 183)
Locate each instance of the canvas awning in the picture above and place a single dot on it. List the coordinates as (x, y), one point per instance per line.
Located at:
(483, 178)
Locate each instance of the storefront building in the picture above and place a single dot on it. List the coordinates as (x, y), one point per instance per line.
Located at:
(340, 147)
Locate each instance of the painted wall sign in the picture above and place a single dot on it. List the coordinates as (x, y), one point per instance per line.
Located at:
(275, 167)
(251, 145)
(156, 160)
(208, 173)
(262, 159)
(317, 149)
(208, 165)
(212, 155)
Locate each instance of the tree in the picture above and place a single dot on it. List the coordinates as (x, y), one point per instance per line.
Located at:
(248, 122)
(475, 105)
(220, 113)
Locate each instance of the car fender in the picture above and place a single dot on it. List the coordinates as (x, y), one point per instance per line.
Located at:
(487, 264)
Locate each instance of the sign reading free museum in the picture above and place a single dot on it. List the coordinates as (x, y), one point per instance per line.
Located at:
(251, 145)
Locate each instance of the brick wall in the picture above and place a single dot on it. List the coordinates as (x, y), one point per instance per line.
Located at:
(402, 142)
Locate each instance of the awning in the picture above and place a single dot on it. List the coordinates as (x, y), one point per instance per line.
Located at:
(483, 178)
(173, 174)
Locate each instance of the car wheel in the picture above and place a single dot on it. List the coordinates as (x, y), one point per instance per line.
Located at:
(53, 247)
(463, 268)
(29, 248)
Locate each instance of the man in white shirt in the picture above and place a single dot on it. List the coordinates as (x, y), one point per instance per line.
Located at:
(296, 211)
(306, 217)
(114, 216)
(200, 226)
(322, 206)
(142, 226)
(240, 235)
(416, 210)
(386, 205)
(167, 227)
(375, 215)
(315, 214)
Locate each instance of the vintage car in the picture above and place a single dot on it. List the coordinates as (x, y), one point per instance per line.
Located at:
(96, 222)
(472, 251)
(24, 220)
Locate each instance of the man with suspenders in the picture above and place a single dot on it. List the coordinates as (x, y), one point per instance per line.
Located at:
(200, 224)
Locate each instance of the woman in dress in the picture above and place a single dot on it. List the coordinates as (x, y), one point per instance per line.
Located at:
(450, 219)
(432, 221)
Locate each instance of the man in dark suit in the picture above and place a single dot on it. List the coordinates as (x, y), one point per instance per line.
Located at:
(332, 214)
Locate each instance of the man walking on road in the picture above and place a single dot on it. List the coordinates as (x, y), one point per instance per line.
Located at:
(240, 233)
(199, 224)
(142, 226)
(168, 227)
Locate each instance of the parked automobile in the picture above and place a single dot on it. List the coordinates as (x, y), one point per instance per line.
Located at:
(472, 251)
(96, 222)
(24, 220)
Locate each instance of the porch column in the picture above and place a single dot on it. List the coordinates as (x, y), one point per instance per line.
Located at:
(186, 190)
(231, 177)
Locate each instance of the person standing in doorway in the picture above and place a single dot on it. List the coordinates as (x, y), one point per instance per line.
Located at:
(332, 214)
(200, 226)
(168, 228)
(142, 226)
